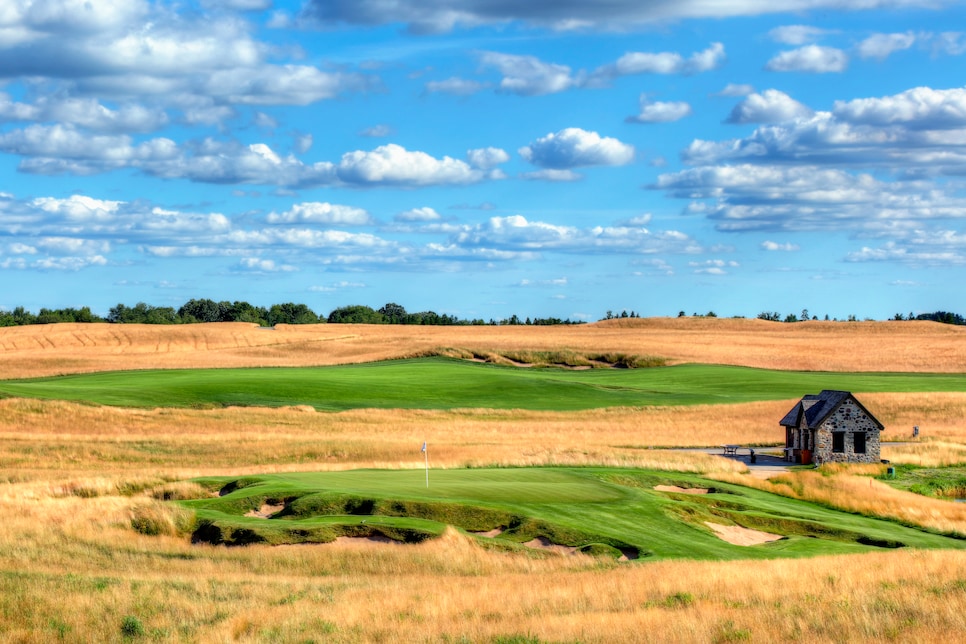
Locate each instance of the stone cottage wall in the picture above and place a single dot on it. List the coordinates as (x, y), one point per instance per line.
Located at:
(849, 418)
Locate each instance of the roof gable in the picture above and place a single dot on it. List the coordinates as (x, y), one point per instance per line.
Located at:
(818, 407)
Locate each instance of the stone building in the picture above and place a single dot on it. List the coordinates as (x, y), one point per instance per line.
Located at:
(831, 427)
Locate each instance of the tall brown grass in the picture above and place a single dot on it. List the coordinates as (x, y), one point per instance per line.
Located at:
(814, 346)
(851, 488)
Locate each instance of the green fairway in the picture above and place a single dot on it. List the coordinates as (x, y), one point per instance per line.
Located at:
(438, 383)
(601, 509)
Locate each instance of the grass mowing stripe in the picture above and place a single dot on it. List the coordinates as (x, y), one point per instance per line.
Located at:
(530, 485)
(436, 383)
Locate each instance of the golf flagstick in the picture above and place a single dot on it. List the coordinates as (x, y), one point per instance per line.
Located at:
(426, 457)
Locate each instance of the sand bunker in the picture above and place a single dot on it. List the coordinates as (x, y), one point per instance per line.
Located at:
(539, 543)
(682, 490)
(367, 542)
(495, 532)
(738, 536)
(266, 511)
(542, 543)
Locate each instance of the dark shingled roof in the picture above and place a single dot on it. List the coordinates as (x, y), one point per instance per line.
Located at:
(818, 407)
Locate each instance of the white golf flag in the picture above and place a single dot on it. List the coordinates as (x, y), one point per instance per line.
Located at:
(426, 458)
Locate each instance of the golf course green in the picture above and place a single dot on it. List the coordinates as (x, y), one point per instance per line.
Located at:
(440, 383)
(600, 510)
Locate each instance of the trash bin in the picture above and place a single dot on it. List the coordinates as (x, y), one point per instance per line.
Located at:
(752, 458)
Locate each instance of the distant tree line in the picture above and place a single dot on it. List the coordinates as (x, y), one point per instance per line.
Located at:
(944, 317)
(393, 313)
(940, 316)
(206, 310)
(610, 315)
(20, 316)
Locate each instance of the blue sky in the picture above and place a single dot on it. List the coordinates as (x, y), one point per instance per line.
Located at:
(484, 158)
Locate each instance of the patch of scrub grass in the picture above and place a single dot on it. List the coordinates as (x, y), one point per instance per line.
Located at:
(131, 627)
(936, 482)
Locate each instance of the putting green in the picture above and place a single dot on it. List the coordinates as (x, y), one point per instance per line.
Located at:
(618, 509)
(509, 485)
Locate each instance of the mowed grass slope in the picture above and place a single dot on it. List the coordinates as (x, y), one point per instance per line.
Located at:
(574, 507)
(439, 383)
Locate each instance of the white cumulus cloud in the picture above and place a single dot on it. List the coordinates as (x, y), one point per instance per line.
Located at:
(395, 165)
(424, 213)
(920, 107)
(633, 63)
(713, 266)
(455, 86)
(437, 17)
(79, 207)
(321, 213)
(881, 46)
(573, 147)
(778, 246)
(487, 158)
(660, 111)
(797, 34)
(811, 58)
(528, 75)
(736, 89)
(549, 174)
(770, 106)
(259, 265)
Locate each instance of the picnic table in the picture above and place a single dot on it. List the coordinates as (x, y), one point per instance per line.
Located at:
(730, 449)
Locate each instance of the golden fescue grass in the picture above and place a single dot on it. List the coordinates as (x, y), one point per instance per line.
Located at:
(69, 440)
(941, 418)
(940, 415)
(62, 437)
(73, 477)
(816, 346)
(851, 488)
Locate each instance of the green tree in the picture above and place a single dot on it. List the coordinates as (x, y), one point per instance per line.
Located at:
(162, 315)
(142, 313)
(393, 313)
(22, 316)
(355, 314)
(291, 313)
(203, 310)
(243, 312)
